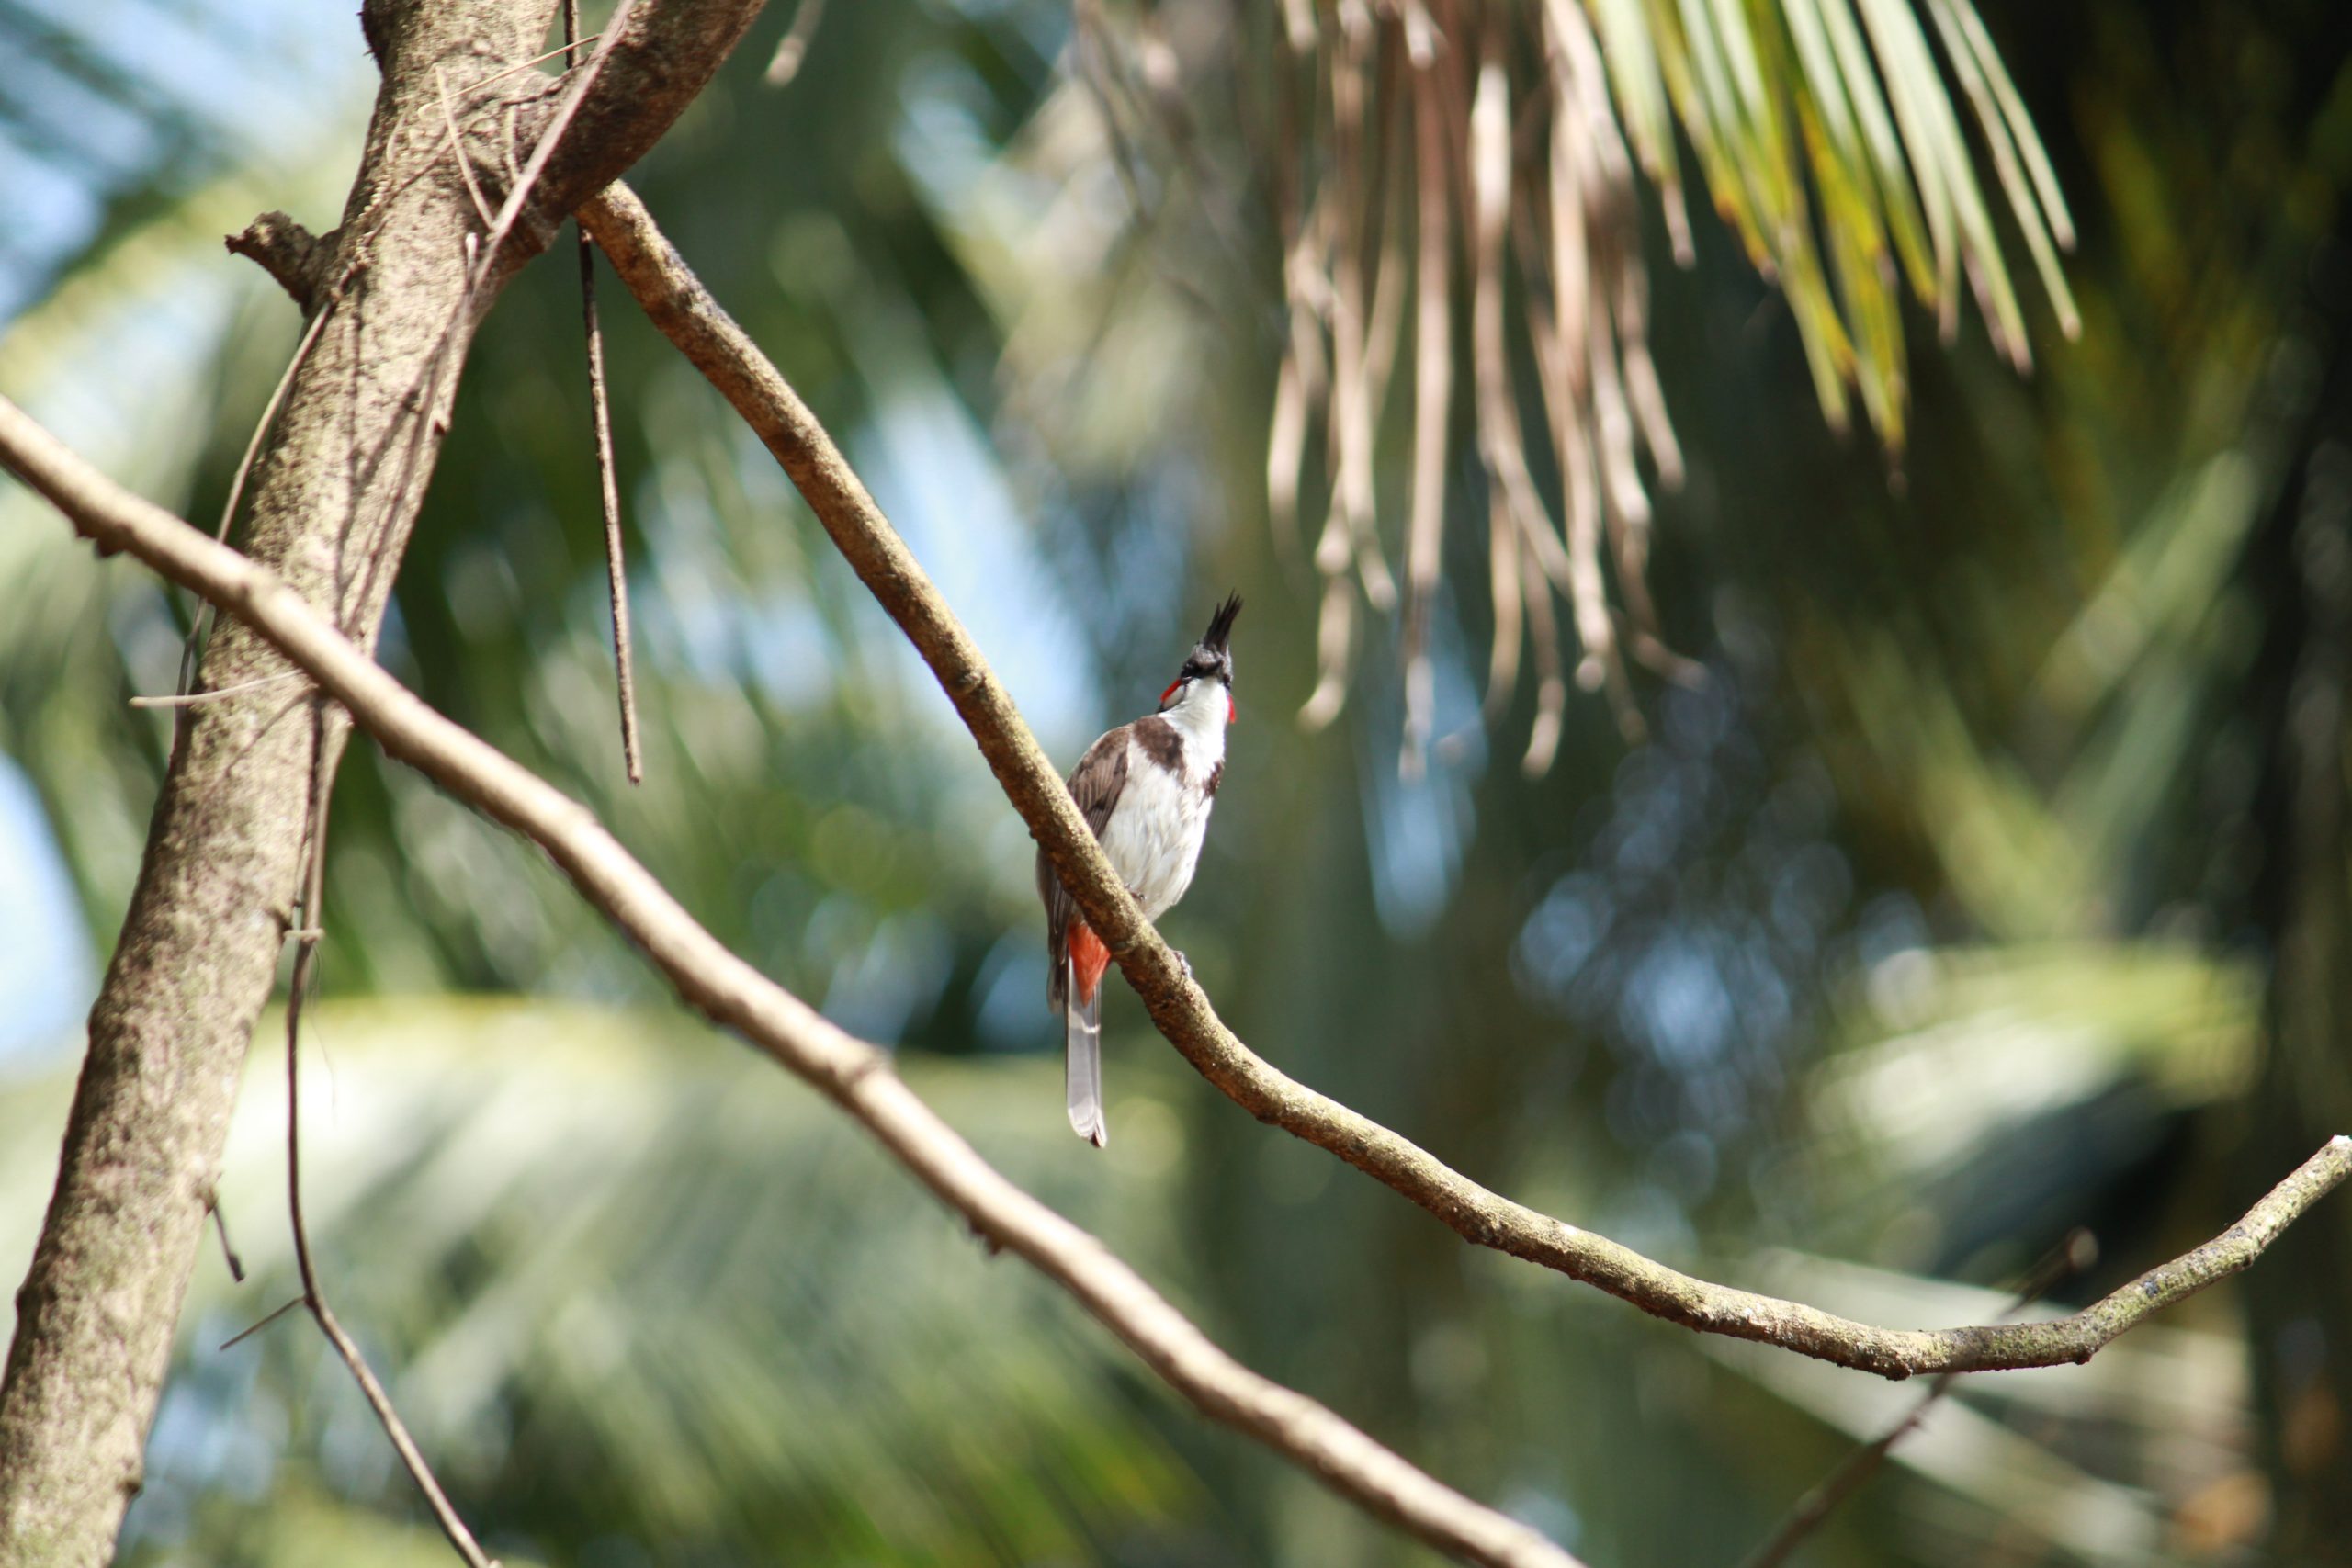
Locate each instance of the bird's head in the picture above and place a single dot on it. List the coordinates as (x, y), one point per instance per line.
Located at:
(1208, 668)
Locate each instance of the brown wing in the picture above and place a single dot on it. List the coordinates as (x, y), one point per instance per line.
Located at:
(1094, 786)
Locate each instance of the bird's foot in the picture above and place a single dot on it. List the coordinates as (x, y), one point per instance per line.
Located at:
(1181, 962)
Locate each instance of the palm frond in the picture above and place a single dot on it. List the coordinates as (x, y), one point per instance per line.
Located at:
(2104, 1462)
(1826, 134)
(623, 1281)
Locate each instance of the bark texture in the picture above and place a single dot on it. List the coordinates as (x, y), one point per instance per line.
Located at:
(199, 948)
(336, 492)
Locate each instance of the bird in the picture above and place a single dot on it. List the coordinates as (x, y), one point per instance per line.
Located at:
(1144, 790)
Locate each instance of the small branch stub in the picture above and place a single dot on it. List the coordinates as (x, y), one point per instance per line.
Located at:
(288, 252)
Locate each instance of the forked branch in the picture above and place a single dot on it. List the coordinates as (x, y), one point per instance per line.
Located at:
(685, 310)
(855, 1075)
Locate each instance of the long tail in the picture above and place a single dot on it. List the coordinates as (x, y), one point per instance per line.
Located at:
(1082, 1062)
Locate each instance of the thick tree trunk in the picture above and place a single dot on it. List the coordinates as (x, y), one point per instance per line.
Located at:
(335, 495)
(336, 492)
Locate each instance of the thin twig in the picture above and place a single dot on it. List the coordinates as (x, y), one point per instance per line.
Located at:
(220, 1227)
(458, 147)
(854, 1073)
(202, 616)
(600, 412)
(2071, 1256)
(248, 1333)
(520, 66)
(305, 961)
(197, 699)
(687, 313)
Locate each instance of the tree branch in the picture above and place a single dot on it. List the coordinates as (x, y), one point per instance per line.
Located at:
(652, 58)
(685, 310)
(855, 1075)
(200, 943)
(337, 486)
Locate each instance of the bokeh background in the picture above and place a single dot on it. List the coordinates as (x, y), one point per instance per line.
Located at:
(1993, 880)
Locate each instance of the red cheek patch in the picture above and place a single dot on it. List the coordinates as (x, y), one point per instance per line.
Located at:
(1232, 710)
(1169, 692)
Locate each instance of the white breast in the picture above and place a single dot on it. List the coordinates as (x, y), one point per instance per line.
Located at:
(1153, 839)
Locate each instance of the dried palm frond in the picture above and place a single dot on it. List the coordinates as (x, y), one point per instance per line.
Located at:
(1826, 132)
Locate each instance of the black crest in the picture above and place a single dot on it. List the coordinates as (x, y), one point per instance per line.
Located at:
(1218, 639)
(1213, 654)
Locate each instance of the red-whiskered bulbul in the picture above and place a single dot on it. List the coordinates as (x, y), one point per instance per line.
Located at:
(1145, 789)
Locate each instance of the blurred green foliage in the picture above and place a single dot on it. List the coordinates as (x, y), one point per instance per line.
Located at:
(1993, 882)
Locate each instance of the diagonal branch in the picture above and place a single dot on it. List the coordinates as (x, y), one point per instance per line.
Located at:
(651, 58)
(855, 1075)
(685, 310)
